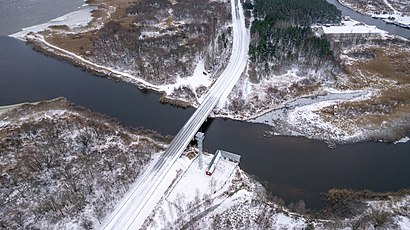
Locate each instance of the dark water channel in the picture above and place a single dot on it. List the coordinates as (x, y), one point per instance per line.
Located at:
(293, 168)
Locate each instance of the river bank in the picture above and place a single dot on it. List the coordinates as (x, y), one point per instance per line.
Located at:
(63, 166)
(200, 81)
(384, 11)
(348, 166)
(366, 165)
(230, 197)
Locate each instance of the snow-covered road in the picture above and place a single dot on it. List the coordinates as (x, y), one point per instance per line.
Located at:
(131, 212)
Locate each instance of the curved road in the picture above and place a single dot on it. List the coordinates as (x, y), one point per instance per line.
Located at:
(134, 209)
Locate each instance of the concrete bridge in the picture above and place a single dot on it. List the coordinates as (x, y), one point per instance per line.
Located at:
(130, 213)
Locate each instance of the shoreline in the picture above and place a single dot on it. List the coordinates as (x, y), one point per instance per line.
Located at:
(339, 202)
(382, 17)
(38, 43)
(165, 92)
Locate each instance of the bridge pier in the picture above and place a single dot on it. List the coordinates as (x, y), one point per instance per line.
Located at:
(200, 137)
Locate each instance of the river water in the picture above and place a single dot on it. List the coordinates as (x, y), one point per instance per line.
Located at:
(294, 168)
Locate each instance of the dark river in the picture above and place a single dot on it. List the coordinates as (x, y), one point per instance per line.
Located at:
(293, 168)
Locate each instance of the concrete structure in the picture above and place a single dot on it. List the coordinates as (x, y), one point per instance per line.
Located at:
(230, 156)
(217, 156)
(347, 28)
(213, 163)
(131, 212)
(200, 137)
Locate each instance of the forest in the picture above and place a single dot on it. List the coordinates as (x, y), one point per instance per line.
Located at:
(63, 165)
(281, 33)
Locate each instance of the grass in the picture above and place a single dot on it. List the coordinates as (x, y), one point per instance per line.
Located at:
(389, 63)
(387, 74)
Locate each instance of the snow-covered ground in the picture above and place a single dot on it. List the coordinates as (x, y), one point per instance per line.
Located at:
(230, 199)
(351, 26)
(189, 198)
(199, 79)
(80, 22)
(392, 15)
(187, 194)
(301, 118)
(403, 140)
(196, 199)
(131, 212)
(251, 94)
(99, 158)
(179, 167)
(395, 18)
(76, 19)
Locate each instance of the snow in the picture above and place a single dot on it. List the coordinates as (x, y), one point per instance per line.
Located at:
(79, 18)
(306, 120)
(280, 113)
(195, 179)
(389, 5)
(398, 206)
(237, 56)
(399, 19)
(403, 222)
(151, 187)
(194, 184)
(198, 79)
(181, 165)
(403, 140)
(352, 27)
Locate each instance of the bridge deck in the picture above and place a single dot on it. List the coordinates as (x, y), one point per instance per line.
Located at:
(129, 213)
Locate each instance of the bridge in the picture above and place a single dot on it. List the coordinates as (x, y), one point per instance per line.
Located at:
(129, 213)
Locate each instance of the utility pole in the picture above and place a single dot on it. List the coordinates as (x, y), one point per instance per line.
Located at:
(200, 137)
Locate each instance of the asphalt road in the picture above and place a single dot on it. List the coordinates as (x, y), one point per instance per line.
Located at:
(133, 209)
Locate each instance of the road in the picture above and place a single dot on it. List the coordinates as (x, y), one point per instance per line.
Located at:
(139, 202)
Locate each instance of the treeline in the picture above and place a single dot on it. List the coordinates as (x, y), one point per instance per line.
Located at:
(298, 12)
(281, 31)
(67, 168)
(162, 40)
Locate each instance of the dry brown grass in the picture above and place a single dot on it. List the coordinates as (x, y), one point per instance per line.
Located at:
(78, 43)
(82, 42)
(388, 74)
(389, 63)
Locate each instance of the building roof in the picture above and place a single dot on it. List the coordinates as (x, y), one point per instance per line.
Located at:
(352, 27)
(229, 155)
